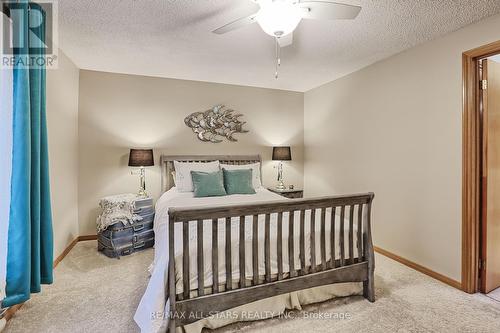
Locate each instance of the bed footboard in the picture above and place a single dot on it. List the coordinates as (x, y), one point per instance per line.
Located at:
(350, 214)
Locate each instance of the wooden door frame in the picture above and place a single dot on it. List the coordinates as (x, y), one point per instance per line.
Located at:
(471, 164)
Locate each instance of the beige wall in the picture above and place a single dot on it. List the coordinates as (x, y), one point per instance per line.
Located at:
(62, 115)
(117, 112)
(395, 128)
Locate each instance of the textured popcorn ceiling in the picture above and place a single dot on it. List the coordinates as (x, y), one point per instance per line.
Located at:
(172, 38)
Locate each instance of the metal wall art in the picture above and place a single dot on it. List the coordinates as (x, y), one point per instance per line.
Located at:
(215, 124)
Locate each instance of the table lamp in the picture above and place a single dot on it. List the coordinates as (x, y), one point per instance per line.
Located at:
(141, 158)
(281, 154)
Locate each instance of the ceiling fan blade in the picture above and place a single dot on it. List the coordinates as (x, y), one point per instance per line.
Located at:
(236, 24)
(328, 10)
(286, 40)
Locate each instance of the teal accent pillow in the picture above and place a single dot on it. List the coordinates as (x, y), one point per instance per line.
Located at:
(208, 184)
(238, 181)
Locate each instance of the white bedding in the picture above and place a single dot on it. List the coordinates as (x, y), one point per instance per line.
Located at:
(149, 315)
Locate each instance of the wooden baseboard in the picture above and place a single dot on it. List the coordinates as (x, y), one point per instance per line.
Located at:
(87, 238)
(71, 246)
(420, 268)
(11, 311)
(65, 252)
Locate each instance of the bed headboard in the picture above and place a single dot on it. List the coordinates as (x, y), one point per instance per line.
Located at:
(167, 164)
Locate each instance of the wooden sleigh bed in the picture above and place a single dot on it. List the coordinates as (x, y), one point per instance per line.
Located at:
(349, 213)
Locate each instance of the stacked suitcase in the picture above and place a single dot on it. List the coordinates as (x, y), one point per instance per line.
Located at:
(121, 239)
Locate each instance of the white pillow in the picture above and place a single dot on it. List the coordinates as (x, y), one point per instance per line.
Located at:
(255, 171)
(183, 180)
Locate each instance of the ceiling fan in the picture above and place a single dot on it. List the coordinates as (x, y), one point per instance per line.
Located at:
(279, 18)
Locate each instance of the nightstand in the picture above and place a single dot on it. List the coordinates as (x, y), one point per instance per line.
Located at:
(128, 222)
(287, 193)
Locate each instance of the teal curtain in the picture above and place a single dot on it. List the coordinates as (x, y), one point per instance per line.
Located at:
(30, 243)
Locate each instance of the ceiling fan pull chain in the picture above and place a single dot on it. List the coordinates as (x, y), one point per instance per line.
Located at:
(279, 54)
(278, 57)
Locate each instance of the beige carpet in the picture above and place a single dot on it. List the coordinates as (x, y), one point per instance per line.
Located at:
(93, 293)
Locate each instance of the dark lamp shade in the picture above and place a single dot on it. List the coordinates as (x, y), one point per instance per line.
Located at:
(282, 154)
(141, 158)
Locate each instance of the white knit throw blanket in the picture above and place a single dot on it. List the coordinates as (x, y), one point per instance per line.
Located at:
(117, 208)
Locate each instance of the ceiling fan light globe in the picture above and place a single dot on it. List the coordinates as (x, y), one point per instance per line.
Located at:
(279, 18)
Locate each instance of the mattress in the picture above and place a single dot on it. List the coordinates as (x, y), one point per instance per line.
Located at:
(149, 315)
